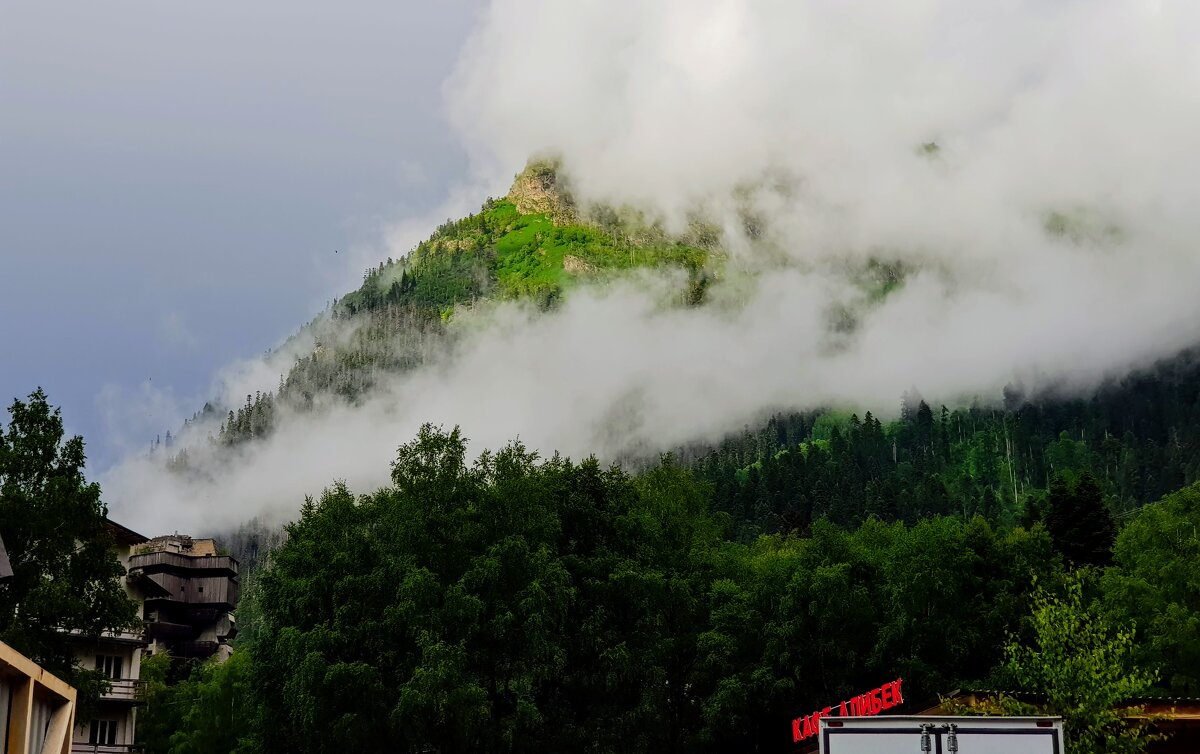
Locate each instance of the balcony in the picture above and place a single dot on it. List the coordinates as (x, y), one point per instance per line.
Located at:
(187, 562)
(161, 629)
(128, 637)
(116, 637)
(199, 649)
(84, 748)
(124, 690)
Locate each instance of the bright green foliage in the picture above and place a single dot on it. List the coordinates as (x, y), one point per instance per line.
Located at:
(218, 709)
(160, 715)
(1083, 667)
(520, 255)
(530, 257)
(65, 573)
(1156, 582)
(405, 307)
(210, 712)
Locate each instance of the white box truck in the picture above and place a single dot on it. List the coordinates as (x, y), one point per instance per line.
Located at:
(941, 735)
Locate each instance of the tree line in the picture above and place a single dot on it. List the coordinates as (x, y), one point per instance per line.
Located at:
(515, 603)
(1129, 443)
(522, 604)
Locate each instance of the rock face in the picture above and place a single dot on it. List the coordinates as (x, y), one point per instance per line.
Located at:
(573, 265)
(537, 190)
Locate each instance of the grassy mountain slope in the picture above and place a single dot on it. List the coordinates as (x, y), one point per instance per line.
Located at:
(530, 245)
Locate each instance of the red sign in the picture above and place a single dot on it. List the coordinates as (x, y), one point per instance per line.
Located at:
(864, 705)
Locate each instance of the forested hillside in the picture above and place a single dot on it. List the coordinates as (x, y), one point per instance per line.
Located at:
(697, 601)
(526, 604)
(531, 245)
(1135, 436)
(1132, 441)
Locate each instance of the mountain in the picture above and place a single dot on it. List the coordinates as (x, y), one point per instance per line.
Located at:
(996, 456)
(696, 601)
(532, 245)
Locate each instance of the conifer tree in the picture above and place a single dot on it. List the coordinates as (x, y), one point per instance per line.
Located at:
(1079, 520)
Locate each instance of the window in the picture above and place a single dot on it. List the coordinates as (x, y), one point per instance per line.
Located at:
(110, 665)
(103, 733)
(200, 589)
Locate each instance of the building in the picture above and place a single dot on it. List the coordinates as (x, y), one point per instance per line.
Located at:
(189, 591)
(118, 655)
(185, 592)
(37, 709)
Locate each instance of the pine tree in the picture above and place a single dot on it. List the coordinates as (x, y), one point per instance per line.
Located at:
(1079, 520)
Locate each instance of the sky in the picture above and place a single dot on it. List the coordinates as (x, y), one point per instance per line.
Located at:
(175, 180)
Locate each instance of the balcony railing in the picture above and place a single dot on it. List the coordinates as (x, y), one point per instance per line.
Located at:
(131, 637)
(190, 562)
(124, 690)
(161, 629)
(82, 748)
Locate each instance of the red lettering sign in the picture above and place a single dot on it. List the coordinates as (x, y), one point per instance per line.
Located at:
(864, 705)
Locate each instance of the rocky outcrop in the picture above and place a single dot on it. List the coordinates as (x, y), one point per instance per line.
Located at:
(574, 265)
(537, 189)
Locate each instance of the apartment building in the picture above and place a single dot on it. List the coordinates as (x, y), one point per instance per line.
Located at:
(37, 709)
(185, 592)
(189, 591)
(119, 656)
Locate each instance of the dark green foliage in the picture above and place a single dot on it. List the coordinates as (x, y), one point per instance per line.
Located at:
(211, 711)
(516, 604)
(525, 605)
(65, 575)
(161, 716)
(1131, 443)
(255, 419)
(447, 610)
(1079, 520)
(802, 623)
(1156, 586)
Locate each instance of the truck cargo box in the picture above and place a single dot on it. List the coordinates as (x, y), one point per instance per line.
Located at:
(941, 735)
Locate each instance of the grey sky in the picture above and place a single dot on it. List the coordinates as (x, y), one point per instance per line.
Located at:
(175, 178)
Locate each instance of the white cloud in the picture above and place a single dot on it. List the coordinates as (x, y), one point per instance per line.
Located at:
(1090, 109)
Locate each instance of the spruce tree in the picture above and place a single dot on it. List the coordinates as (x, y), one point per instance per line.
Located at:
(1079, 520)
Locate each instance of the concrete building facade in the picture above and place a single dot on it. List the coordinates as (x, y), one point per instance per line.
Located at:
(36, 708)
(118, 655)
(185, 592)
(189, 591)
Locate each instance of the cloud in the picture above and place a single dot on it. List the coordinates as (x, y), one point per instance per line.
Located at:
(1049, 236)
(132, 418)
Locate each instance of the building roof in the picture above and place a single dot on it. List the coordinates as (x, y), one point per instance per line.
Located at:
(181, 544)
(124, 534)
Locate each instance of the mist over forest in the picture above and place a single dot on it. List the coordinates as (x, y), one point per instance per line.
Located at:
(928, 215)
(768, 352)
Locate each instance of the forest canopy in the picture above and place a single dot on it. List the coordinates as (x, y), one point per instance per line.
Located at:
(518, 603)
